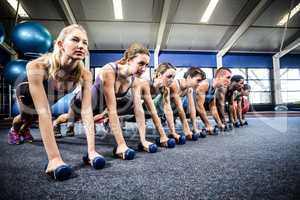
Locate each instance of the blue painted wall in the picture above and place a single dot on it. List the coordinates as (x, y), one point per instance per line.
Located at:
(290, 61)
(235, 60)
(202, 59)
(188, 59)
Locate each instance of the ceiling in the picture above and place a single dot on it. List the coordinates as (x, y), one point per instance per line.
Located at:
(183, 30)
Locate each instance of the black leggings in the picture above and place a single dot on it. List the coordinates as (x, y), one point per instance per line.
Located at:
(27, 110)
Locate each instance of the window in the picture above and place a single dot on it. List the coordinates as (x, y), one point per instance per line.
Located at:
(290, 97)
(289, 73)
(258, 74)
(260, 97)
(259, 80)
(290, 85)
(239, 71)
(259, 85)
(180, 72)
(208, 72)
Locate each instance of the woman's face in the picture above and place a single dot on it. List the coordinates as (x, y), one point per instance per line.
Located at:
(245, 92)
(167, 77)
(139, 64)
(239, 85)
(75, 44)
(195, 81)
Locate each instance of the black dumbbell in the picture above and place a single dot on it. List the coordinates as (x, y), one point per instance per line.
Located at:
(195, 136)
(236, 125)
(181, 139)
(223, 129)
(203, 133)
(106, 126)
(230, 126)
(227, 128)
(57, 132)
(216, 130)
(70, 131)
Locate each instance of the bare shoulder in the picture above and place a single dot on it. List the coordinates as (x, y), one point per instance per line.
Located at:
(107, 73)
(37, 67)
(86, 75)
(203, 86)
(39, 63)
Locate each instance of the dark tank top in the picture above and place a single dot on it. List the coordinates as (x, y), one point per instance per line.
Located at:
(50, 86)
(124, 99)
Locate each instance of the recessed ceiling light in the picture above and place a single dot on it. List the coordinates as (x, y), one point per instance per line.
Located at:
(118, 9)
(209, 10)
(21, 11)
(294, 11)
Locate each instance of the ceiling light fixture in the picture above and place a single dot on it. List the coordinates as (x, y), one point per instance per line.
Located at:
(118, 9)
(294, 11)
(21, 11)
(209, 10)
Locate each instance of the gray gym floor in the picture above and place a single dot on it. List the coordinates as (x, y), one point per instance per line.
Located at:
(261, 161)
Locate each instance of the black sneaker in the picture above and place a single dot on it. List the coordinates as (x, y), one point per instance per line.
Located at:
(57, 132)
(70, 131)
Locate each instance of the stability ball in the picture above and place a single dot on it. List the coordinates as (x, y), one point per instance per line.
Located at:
(15, 109)
(31, 38)
(15, 70)
(2, 33)
(62, 105)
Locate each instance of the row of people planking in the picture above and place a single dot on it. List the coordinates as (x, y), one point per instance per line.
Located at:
(118, 89)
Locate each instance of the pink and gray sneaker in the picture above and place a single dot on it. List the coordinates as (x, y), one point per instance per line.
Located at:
(13, 137)
(27, 137)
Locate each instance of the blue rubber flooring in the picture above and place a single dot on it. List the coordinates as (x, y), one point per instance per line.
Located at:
(260, 161)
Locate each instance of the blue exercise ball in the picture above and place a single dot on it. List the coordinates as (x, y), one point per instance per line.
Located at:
(15, 109)
(2, 33)
(31, 38)
(15, 71)
(62, 105)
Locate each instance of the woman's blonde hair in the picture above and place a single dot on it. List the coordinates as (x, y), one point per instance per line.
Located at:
(161, 69)
(55, 56)
(132, 52)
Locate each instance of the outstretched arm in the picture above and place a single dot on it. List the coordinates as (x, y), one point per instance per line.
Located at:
(220, 103)
(87, 112)
(192, 109)
(35, 74)
(215, 114)
(108, 79)
(239, 111)
(177, 100)
(231, 109)
(138, 110)
(168, 112)
(200, 99)
(151, 108)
